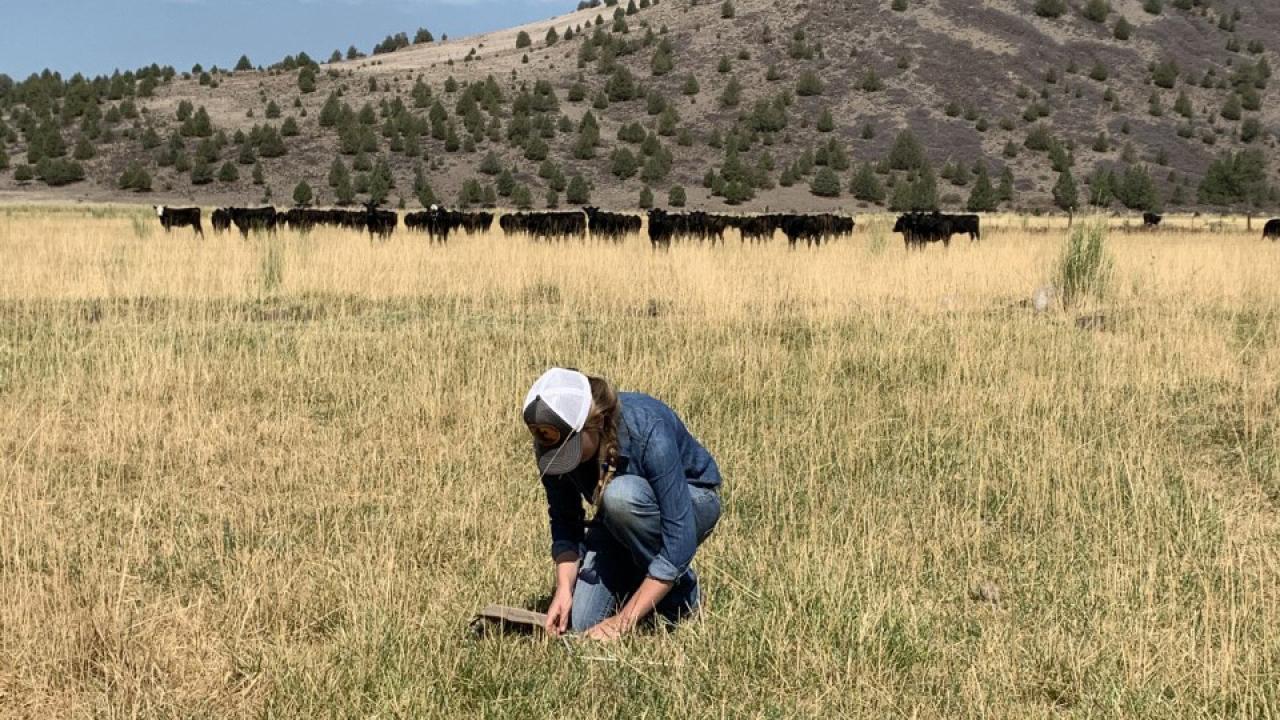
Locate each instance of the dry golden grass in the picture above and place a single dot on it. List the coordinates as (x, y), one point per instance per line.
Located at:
(273, 478)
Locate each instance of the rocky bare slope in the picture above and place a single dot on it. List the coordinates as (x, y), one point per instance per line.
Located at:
(765, 102)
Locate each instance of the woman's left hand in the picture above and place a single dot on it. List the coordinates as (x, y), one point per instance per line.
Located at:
(611, 629)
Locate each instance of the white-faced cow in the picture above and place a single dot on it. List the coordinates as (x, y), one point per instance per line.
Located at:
(171, 217)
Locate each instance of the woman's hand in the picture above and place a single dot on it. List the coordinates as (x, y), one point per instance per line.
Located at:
(610, 629)
(558, 613)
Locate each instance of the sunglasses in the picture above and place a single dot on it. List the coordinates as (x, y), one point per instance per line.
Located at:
(546, 436)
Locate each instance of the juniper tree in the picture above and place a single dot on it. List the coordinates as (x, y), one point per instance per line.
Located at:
(302, 194)
(1066, 196)
(676, 196)
(578, 192)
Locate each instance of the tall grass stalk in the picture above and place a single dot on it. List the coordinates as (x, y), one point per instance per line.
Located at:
(1084, 268)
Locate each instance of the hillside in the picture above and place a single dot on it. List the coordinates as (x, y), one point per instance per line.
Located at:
(797, 105)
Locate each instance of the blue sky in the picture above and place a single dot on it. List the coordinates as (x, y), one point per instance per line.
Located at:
(98, 36)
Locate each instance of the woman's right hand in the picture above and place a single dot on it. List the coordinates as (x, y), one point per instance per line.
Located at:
(558, 613)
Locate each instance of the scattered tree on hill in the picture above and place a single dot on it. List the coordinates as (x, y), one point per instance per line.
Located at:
(825, 183)
(1165, 74)
(1136, 190)
(917, 193)
(1238, 180)
(198, 124)
(578, 192)
(83, 150)
(865, 186)
(1122, 29)
(302, 194)
(732, 94)
(808, 84)
(56, 172)
(1096, 10)
(135, 178)
(307, 79)
(676, 196)
(523, 40)
(983, 197)
(907, 153)
(1066, 196)
(201, 172)
(1050, 8)
(243, 64)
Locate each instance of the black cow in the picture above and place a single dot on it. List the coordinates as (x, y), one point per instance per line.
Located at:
(813, 229)
(702, 226)
(171, 217)
(757, 228)
(221, 220)
(610, 225)
(246, 219)
(545, 225)
(1271, 230)
(1151, 220)
(302, 219)
(970, 224)
(380, 222)
(438, 222)
(919, 229)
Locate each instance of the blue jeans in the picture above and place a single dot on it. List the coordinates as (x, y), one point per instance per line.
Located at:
(621, 543)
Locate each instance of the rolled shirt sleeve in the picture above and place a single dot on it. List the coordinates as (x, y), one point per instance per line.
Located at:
(665, 471)
(564, 505)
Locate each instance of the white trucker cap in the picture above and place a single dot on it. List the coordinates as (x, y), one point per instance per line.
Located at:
(556, 410)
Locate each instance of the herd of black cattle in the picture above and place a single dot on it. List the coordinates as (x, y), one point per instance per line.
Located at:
(917, 229)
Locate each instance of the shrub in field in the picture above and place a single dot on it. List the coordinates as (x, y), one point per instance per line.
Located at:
(136, 178)
(1097, 10)
(866, 187)
(983, 197)
(302, 194)
(307, 79)
(1084, 268)
(579, 192)
(59, 171)
(1066, 196)
(201, 172)
(808, 84)
(676, 196)
(825, 183)
(1050, 8)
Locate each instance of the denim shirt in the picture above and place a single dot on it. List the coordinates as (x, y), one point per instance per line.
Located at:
(654, 444)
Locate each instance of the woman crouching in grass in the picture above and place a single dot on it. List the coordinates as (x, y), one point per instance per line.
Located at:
(653, 490)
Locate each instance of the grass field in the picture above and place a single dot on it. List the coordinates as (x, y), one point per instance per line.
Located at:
(274, 478)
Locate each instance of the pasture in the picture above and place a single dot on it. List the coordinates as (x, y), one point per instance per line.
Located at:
(273, 478)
